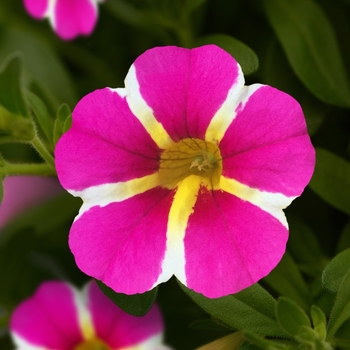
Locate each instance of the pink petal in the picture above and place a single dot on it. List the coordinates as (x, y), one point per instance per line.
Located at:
(230, 244)
(36, 8)
(74, 17)
(48, 318)
(106, 144)
(185, 87)
(117, 328)
(123, 244)
(267, 146)
(24, 192)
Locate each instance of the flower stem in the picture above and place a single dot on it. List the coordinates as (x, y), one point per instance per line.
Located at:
(40, 169)
(44, 153)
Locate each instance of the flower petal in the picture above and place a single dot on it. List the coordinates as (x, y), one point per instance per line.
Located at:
(101, 146)
(118, 328)
(74, 17)
(230, 244)
(48, 319)
(36, 8)
(184, 88)
(123, 244)
(267, 146)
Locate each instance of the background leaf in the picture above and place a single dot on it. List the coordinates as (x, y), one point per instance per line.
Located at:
(309, 42)
(331, 179)
(291, 317)
(136, 304)
(251, 309)
(341, 308)
(10, 86)
(334, 272)
(244, 55)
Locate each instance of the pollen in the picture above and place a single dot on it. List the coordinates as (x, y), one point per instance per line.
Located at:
(190, 157)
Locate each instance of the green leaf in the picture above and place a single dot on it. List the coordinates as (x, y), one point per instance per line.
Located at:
(136, 304)
(62, 123)
(309, 42)
(251, 309)
(41, 114)
(341, 308)
(244, 55)
(287, 281)
(229, 342)
(40, 63)
(319, 321)
(10, 86)
(334, 272)
(304, 246)
(267, 344)
(331, 179)
(291, 317)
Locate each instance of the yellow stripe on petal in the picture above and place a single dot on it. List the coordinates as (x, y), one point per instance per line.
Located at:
(181, 209)
(272, 203)
(102, 195)
(143, 112)
(237, 96)
(84, 316)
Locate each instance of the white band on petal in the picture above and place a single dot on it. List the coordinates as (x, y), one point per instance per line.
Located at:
(272, 203)
(84, 316)
(180, 211)
(236, 98)
(143, 112)
(102, 195)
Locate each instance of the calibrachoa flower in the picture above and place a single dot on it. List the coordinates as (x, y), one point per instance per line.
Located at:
(23, 192)
(59, 317)
(184, 172)
(69, 18)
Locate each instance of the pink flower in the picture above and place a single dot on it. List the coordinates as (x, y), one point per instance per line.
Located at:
(184, 172)
(69, 18)
(23, 192)
(59, 317)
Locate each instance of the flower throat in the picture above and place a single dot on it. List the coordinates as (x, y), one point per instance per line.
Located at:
(190, 157)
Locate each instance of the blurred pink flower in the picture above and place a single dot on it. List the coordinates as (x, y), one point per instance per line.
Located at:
(60, 317)
(69, 18)
(23, 192)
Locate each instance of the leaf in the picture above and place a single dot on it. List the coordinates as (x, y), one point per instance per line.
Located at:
(230, 342)
(344, 239)
(263, 343)
(136, 304)
(291, 317)
(304, 246)
(244, 55)
(251, 309)
(309, 42)
(319, 321)
(63, 120)
(331, 179)
(286, 279)
(334, 272)
(10, 86)
(40, 63)
(41, 115)
(341, 309)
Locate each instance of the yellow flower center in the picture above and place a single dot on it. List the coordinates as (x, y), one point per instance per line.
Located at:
(191, 157)
(92, 344)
